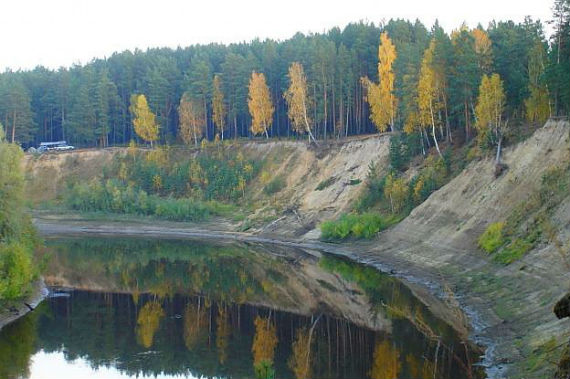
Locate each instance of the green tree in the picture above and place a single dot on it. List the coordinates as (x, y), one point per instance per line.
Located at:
(17, 235)
(537, 106)
(15, 108)
(218, 105)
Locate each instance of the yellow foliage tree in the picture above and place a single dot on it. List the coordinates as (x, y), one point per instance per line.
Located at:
(218, 106)
(296, 97)
(260, 105)
(264, 341)
(385, 362)
(380, 97)
(483, 49)
(191, 120)
(490, 105)
(396, 190)
(428, 92)
(148, 322)
(489, 110)
(144, 120)
(537, 106)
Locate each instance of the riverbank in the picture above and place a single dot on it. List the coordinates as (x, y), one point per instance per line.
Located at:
(13, 310)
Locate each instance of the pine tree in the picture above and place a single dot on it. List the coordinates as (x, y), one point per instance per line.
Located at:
(218, 105)
(537, 106)
(15, 108)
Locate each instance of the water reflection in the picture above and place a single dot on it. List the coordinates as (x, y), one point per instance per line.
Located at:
(167, 308)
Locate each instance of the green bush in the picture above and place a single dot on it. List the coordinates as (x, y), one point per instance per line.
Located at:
(18, 238)
(117, 198)
(16, 270)
(364, 225)
(275, 185)
(492, 238)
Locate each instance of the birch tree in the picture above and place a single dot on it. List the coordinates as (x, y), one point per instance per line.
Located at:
(296, 98)
(260, 105)
(144, 120)
(428, 91)
(489, 110)
(191, 121)
(380, 97)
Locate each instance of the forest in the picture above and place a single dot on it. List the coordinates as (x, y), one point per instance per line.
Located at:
(363, 78)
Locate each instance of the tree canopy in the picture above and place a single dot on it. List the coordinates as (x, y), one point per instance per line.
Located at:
(88, 105)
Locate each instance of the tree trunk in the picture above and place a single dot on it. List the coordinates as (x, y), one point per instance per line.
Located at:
(433, 130)
(498, 157)
(307, 123)
(14, 116)
(447, 126)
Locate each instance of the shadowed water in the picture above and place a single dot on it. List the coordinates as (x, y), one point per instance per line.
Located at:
(163, 308)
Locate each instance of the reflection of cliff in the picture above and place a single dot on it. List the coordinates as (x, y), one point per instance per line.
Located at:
(279, 278)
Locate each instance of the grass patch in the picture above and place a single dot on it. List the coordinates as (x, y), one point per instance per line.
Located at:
(364, 225)
(492, 238)
(513, 251)
(547, 352)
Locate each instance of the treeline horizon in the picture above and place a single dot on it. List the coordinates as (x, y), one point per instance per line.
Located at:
(88, 105)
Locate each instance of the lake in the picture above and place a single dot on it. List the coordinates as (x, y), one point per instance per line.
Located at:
(126, 307)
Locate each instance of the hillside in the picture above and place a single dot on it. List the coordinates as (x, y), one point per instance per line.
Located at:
(509, 305)
(294, 209)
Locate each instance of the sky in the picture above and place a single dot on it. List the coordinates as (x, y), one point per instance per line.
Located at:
(56, 33)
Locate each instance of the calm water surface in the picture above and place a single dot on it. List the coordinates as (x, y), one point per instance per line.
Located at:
(124, 308)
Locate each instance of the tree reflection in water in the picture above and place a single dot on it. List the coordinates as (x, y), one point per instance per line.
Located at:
(186, 308)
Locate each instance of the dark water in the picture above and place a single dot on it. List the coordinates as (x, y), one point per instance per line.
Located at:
(162, 308)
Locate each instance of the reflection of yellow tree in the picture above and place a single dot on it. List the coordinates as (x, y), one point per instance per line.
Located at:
(148, 322)
(264, 341)
(222, 333)
(418, 369)
(386, 362)
(195, 324)
(300, 361)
